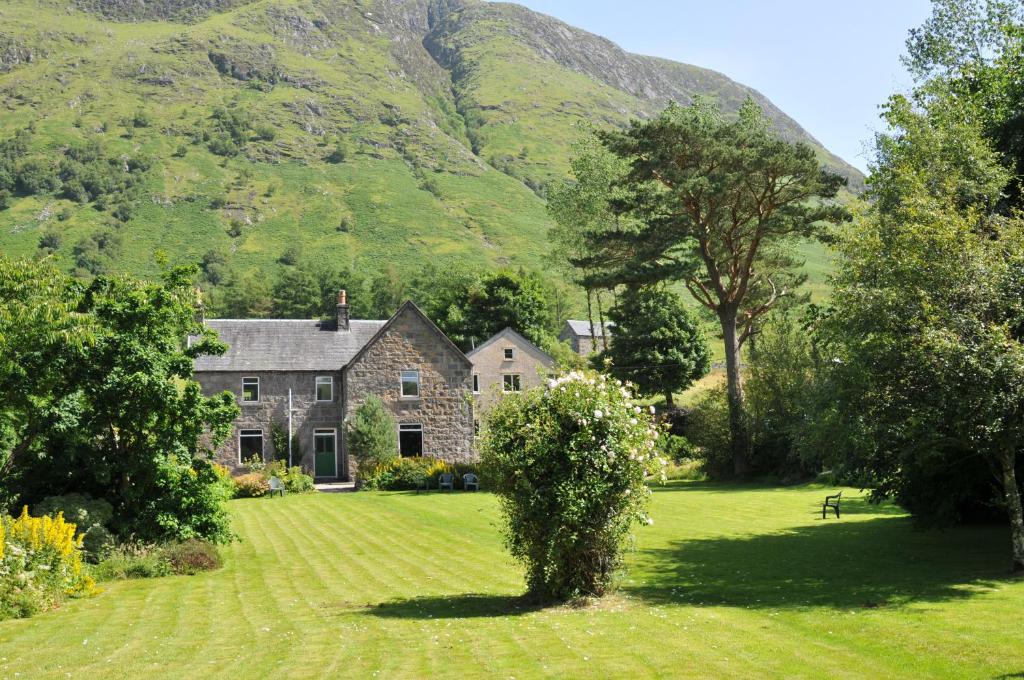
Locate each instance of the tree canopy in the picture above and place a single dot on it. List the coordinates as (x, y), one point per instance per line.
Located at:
(659, 344)
(98, 398)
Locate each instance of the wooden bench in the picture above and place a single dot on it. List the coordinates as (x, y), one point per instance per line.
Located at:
(831, 502)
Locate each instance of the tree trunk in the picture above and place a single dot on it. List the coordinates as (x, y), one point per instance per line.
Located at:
(590, 312)
(600, 318)
(669, 400)
(737, 425)
(1013, 507)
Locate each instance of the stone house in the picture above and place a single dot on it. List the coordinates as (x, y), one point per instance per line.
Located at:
(584, 339)
(505, 363)
(324, 370)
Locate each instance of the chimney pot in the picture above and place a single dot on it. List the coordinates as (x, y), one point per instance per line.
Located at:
(342, 316)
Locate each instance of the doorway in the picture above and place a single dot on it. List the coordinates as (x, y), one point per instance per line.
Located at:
(410, 439)
(325, 463)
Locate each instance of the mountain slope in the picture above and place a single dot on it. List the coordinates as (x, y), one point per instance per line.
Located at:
(369, 133)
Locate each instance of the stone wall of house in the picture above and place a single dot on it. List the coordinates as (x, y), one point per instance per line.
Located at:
(308, 413)
(444, 407)
(490, 364)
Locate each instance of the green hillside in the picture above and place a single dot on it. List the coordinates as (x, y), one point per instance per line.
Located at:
(368, 133)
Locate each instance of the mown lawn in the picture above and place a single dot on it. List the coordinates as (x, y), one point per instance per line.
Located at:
(735, 581)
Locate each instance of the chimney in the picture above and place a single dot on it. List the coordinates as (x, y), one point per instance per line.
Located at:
(342, 316)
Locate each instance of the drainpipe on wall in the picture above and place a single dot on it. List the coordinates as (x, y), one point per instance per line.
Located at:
(289, 427)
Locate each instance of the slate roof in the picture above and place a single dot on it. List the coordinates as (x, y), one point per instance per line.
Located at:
(286, 345)
(581, 328)
(519, 339)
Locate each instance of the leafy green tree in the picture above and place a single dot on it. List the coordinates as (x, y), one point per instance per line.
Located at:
(582, 211)
(659, 344)
(787, 390)
(296, 294)
(718, 204)
(242, 296)
(371, 437)
(117, 416)
(331, 281)
(508, 299)
(966, 60)
(928, 322)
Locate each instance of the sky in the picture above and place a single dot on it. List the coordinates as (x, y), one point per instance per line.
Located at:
(827, 64)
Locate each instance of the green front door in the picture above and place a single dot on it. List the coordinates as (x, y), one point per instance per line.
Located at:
(324, 448)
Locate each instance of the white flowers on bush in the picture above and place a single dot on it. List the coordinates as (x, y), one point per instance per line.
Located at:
(569, 462)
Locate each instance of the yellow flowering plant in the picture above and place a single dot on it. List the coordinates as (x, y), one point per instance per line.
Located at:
(40, 564)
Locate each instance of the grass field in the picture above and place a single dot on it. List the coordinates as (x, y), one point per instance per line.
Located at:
(730, 581)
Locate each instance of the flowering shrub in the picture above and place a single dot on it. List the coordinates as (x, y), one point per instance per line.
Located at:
(252, 485)
(402, 474)
(569, 463)
(40, 564)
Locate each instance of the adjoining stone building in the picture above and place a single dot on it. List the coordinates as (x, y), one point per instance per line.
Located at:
(586, 339)
(325, 370)
(505, 363)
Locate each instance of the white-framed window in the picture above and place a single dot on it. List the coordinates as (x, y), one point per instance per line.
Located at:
(476, 383)
(250, 389)
(410, 383)
(510, 353)
(410, 439)
(250, 443)
(324, 388)
(512, 382)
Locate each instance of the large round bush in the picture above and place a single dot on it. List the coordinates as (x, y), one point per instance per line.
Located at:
(569, 463)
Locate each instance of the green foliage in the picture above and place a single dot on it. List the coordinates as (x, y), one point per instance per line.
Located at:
(407, 474)
(507, 299)
(73, 356)
(786, 389)
(966, 61)
(132, 560)
(569, 463)
(707, 427)
(371, 437)
(91, 516)
(338, 154)
(279, 438)
(659, 344)
(927, 325)
(295, 478)
(139, 560)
